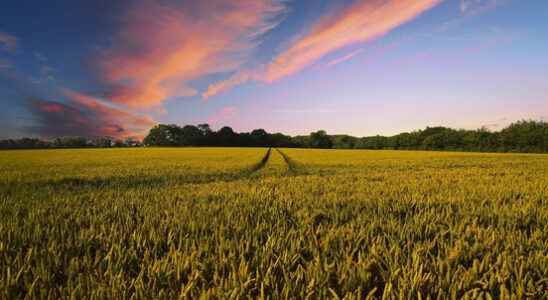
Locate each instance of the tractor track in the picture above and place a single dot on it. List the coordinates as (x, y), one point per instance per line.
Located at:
(258, 166)
(292, 166)
(76, 184)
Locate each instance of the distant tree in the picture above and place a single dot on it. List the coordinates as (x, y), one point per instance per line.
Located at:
(435, 141)
(373, 142)
(392, 142)
(280, 140)
(207, 135)
(302, 141)
(102, 142)
(71, 142)
(407, 140)
(205, 129)
(163, 135)
(260, 138)
(524, 136)
(545, 137)
(24, 143)
(320, 139)
(344, 141)
(244, 139)
(226, 137)
(191, 136)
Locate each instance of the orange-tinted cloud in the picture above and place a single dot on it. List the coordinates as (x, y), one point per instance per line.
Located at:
(234, 80)
(360, 22)
(84, 115)
(161, 48)
(7, 42)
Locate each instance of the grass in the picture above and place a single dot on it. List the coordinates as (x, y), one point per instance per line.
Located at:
(236, 223)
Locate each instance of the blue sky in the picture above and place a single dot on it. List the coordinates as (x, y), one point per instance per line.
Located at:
(358, 67)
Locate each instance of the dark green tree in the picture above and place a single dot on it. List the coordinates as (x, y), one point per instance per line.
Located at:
(260, 138)
(163, 135)
(320, 139)
(226, 137)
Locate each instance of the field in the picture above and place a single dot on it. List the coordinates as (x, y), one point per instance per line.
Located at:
(287, 223)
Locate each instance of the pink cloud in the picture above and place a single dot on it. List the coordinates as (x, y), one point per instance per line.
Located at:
(8, 42)
(344, 58)
(236, 79)
(361, 22)
(88, 116)
(358, 23)
(161, 48)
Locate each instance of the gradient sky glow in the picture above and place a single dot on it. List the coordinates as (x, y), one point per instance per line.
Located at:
(362, 67)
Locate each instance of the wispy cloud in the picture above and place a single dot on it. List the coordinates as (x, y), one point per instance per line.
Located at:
(7, 42)
(474, 7)
(161, 48)
(234, 80)
(84, 115)
(468, 9)
(360, 22)
(344, 58)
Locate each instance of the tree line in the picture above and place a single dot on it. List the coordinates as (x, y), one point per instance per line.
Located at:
(203, 135)
(69, 142)
(521, 136)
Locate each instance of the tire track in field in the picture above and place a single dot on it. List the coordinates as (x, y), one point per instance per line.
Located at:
(292, 166)
(258, 166)
(75, 184)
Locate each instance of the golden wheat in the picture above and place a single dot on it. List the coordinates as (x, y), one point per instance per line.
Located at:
(238, 223)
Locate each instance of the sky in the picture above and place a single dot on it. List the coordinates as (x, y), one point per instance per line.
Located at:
(359, 67)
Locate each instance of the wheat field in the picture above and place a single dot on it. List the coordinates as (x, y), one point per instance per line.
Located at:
(238, 223)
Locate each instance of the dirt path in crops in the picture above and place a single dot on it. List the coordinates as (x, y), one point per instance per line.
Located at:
(77, 184)
(261, 163)
(291, 165)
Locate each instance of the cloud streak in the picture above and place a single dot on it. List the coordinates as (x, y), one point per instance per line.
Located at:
(161, 48)
(475, 7)
(236, 79)
(360, 22)
(344, 58)
(84, 115)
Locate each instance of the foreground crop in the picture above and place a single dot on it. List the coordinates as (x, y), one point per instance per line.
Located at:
(291, 224)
